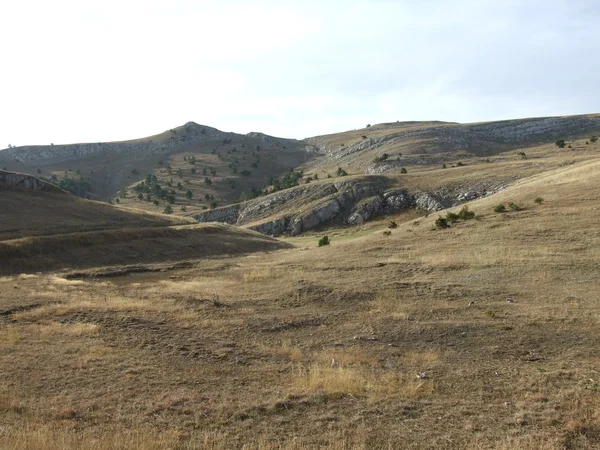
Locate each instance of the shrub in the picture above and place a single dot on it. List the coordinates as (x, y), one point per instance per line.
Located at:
(168, 210)
(140, 196)
(593, 138)
(465, 214)
(441, 222)
(156, 202)
(560, 143)
(539, 200)
(213, 205)
(444, 166)
(193, 170)
(459, 164)
(324, 241)
(341, 172)
(387, 233)
(514, 206)
(500, 208)
(245, 173)
(451, 217)
(381, 158)
(188, 195)
(403, 170)
(523, 155)
(393, 225)
(207, 181)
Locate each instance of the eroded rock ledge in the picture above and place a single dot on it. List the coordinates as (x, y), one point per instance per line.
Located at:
(294, 211)
(23, 181)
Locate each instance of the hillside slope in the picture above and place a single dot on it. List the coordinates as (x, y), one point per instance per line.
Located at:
(484, 335)
(417, 144)
(234, 162)
(32, 207)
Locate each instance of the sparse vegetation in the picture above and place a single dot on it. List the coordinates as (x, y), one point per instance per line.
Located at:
(168, 210)
(560, 143)
(403, 170)
(442, 222)
(392, 225)
(381, 158)
(539, 200)
(500, 208)
(341, 172)
(324, 241)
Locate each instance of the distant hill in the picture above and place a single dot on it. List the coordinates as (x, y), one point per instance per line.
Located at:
(194, 169)
(187, 154)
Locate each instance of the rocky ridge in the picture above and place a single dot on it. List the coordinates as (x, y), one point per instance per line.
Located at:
(14, 180)
(353, 202)
(173, 140)
(427, 144)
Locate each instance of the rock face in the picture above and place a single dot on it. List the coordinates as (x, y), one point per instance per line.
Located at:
(294, 211)
(430, 141)
(177, 139)
(22, 181)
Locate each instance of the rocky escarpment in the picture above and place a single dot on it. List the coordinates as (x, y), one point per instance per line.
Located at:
(353, 202)
(426, 144)
(174, 140)
(163, 143)
(12, 180)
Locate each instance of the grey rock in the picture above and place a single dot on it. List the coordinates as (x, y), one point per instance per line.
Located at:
(228, 214)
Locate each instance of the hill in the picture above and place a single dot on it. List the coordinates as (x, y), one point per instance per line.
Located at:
(188, 154)
(32, 207)
(45, 228)
(483, 335)
(195, 168)
(353, 199)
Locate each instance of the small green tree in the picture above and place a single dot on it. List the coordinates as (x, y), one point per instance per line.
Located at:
(539, 200)
(207, 181)
(500, 208)
(393, 225)
(466, 214)
(560, 143)
(188, 195)
(168, 210)
(441, 222)
(180, 173)
(403, 170)
(341, 172)
(140, 196)
(593, 138)
(324, 241)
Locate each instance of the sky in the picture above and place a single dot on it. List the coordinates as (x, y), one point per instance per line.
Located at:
(90, 71)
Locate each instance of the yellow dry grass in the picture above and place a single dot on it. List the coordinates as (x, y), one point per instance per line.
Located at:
(481, 336)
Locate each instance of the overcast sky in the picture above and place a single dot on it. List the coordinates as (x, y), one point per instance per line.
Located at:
(88, 71)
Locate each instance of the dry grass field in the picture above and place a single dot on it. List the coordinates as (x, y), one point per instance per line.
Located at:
(485, 335)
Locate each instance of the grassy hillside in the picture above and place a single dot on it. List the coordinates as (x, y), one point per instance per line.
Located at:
(33, 213)
(233, 162)
(483, 335)
(128, 246)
